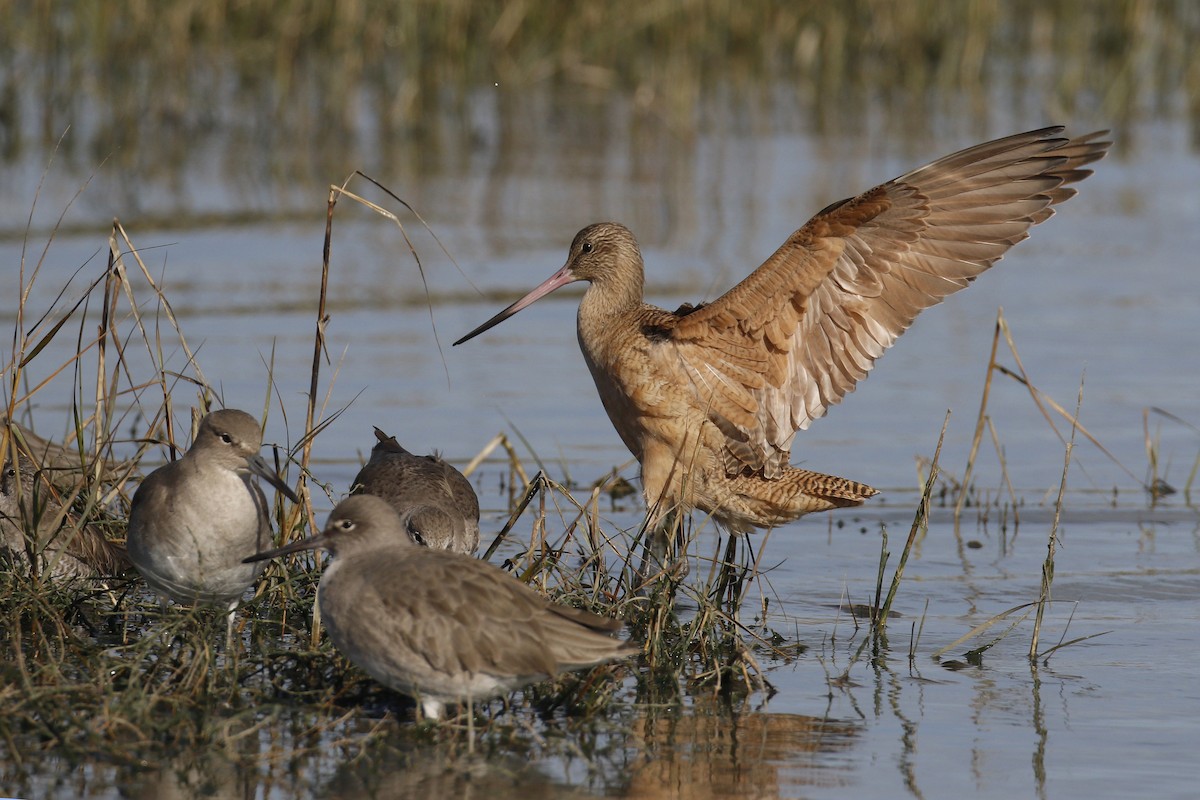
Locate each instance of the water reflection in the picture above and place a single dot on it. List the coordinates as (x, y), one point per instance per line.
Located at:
(437, 773)
(191, 777)
(711, 753)
(202, 118)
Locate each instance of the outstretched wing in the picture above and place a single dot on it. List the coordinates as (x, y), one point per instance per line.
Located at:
(793, 338)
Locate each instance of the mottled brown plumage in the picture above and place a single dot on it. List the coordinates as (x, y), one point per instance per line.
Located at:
(709, 398)
(60, 463)
(60, 546)
(449, 513)
(441, 626)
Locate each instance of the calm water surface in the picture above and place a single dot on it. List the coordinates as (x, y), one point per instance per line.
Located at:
(1104, 293)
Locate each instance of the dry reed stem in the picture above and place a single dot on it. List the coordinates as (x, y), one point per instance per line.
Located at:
(310, 411)
(1041, 399)
(1194, 429)
(1051, 545)
(984, 626)
(919, 525)
(1012, 493)
(979, 420)
(482, 455)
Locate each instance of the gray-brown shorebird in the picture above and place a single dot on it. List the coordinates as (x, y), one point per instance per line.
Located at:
(447, 508)
(709, 398)
(439, 626)
(194, 520)
(38, 530)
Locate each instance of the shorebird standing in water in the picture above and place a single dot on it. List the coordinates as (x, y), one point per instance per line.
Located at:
(448, 515)
(439, 626)
(709, 398)
(192, 521)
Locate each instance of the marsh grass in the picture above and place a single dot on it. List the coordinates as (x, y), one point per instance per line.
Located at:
(1050, 409)
(1156, 470)
(98, 668)
(102, 669)
(407, 61)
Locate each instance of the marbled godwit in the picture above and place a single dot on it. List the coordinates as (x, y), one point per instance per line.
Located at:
(439, 626)
(709, 398)
(67, 548)
(193, 521)
(448, 518)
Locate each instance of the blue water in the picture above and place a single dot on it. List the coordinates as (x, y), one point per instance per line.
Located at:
(1103, 294)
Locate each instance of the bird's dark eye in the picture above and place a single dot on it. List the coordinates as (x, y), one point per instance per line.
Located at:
(416, 536)
(226, 438)
(586, 247)
(345, 524)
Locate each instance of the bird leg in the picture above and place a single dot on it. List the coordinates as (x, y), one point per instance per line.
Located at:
(470, 726)
(429, 708)
(664, 552)
(230, 618)
(732, 574)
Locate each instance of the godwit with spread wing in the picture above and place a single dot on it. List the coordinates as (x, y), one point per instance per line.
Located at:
(708, 398)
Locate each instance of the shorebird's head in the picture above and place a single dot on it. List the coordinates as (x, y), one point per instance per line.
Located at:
(431, 527)
(599, 251)
(358, 523)
(232, 439)
(602, 250)
(17, 480)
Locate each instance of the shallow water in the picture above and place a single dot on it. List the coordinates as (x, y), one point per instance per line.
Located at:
(1104, 294)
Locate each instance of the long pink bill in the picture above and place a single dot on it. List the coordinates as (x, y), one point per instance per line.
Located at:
(555, 281)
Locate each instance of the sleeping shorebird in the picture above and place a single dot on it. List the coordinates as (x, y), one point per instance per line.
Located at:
(439, 626)
(192, 521)
(709, 398)
(448, 515)
(37, 529)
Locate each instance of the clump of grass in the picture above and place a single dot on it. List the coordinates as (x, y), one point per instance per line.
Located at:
(102, 669)
(1156, 480)
(1045, 404)
(90, 671)
(920, 524)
